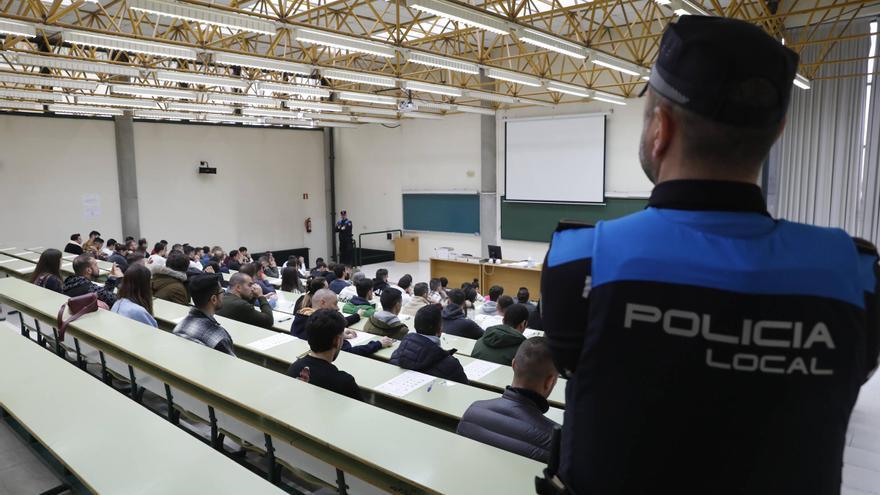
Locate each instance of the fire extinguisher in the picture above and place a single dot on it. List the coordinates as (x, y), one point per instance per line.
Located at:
(309, 225)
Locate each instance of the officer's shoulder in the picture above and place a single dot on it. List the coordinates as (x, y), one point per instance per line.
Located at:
(572, 241)
(573, 224)
(864, 246)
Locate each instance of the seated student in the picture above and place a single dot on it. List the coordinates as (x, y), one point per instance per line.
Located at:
(47, 273)
(89, 245)
(108, 249)
(270, 268)
(256, 273)
(350, 290)
(169, 279)
(176, 248)
(160, 251)
(535, 322)
(486, 321)
(143, 245)
(340, 280)
(386, 322)
(418, 300)
(325, 335)
(421, 351)
(380, 283)
(199, 325)
(515, 421)
(207, 254)
(85, 269)
(470, 301)
(301, 266)
(305, 300)
(290, 281)
(434, 294)
(320, 269)
(499, 343)
(490, 307)
(96, 248)
(326, 299)
(455, 321)
(522, 297)
(194, 254)
(364, 289)
(75, 245)
(119, 257)
(244, 256)
(135, 258)
(404, 285)
(135, 298)
(239, 301)
(444, 288)
(329, 274)
(233, 260)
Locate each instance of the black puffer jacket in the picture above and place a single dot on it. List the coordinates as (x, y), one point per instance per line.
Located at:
(419, 353)
(455, 322)
(514, 422)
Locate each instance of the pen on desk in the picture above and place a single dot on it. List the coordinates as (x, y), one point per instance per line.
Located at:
(431, 385)
(282, 320)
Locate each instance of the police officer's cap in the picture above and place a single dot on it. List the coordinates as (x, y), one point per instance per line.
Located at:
(726, 70)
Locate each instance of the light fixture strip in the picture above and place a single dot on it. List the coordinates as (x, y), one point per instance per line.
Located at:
(21, 105)
(467, 16)
(169, 93)
(48, 81)
(620, 67)
(311, 105)
(16, 28)
(73, 65)
(31, 95)
(368, 98)
(201, 79)
(341, 42)
(114, 102)
(801, 82)
(242, 99)
(129, 45)
(493, 97)
(553, 43)
(444, 63)
(293, 89)
(196, 107)
(514, 77)
(432, 88)
(85, 110)
(163, 114)
(359, 77)
(569, 89)
(195, 13)
(262, 63)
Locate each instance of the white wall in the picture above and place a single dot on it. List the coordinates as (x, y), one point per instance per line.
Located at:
(46, 166)
(374, 165)
(256, 198)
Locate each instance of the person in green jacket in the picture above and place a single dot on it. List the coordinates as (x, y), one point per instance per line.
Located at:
(500, 343)
(386, 322)
(362, 301)
(239, 302)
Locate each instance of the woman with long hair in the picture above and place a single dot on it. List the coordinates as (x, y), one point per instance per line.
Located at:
(135, 299)
(290, 281)
(305, 300)
(47, 274)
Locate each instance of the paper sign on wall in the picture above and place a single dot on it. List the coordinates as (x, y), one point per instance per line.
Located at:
(91, 204)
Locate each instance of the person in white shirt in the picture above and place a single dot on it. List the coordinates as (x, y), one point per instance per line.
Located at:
(434, 294)
(194, 254)
(485, 320)
(109, 248)
(350, 291)
(404, 285)
(161, 252)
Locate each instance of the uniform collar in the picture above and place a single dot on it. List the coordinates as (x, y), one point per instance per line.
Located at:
(710, 195)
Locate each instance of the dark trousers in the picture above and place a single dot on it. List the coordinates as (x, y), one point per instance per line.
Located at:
(346, 250)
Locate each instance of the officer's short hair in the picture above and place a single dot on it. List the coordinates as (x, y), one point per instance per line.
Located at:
(515, 315)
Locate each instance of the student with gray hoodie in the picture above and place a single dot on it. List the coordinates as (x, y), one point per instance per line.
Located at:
(386, 322)
(490, 307)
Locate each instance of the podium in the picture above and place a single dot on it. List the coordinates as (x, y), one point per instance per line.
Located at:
(406, 249)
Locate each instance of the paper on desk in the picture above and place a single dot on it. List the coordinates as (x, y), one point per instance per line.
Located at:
(285, 306)
(529, 333)
(362, 338)
(403, 384)
(478, 369)
(267, 343)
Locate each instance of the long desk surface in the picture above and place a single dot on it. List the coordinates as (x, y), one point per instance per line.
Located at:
(332, 430)
(449, 400)
(109, 442)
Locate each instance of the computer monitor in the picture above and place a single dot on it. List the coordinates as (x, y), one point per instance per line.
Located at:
(495, 252)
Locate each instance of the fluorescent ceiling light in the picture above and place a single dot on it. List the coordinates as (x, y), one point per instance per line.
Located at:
(494, 97)
(368, 98)
(48, 81)
(359, 77)
(801, 81)
(344, 42)
(422, 115)
(268, 112)
(569, 89)
(238, 119)
(197, 107)
(21, 105)
(337, 124)
(262, 63)
(85, 110)
(514, 77)
(73, 65)
(683, 7)
(201, 79)
(16, 28)
(339, 117)
(436, 89)
(293, 122)
(464, 15)
(32, 95)
(175, 94)
(553, 43)
(214, 17)
(471, 109)
(608, 98)
(373, 110)
(115, 102)
(312, 105)
(376, 120)
(444, 63)
(164, 115)
(128, 45)
(242, 99)
(293, 89)
(662, 2)
(615, 65)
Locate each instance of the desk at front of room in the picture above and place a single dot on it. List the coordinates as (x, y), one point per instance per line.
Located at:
(507, 274)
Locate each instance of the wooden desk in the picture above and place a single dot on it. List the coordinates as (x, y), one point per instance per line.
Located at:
(509, 277)
(113, 445)
(457, 272)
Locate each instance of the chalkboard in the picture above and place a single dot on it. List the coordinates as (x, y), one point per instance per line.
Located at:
(442, 212)
(537, 221)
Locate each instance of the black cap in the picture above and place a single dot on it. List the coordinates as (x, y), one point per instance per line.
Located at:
(726, 70)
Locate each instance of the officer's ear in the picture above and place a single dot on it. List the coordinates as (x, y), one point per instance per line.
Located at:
(663, 129)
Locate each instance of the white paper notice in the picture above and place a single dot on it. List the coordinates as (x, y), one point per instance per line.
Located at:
(362, 338)
(91, 205)
(529, 333)
(401, 385)
(270, 342)
(478, 369)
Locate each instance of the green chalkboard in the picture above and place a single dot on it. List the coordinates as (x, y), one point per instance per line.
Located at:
(442, 212)
(537, 221)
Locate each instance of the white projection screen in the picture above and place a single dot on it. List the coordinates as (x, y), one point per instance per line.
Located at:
(555, 160)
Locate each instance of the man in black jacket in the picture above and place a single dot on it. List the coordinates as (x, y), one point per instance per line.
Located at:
(85, 269)
(75, 245)
(455, 322)
(325, 331)
(421, 351)
(515, 421)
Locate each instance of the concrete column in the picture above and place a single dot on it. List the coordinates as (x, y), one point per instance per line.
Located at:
(330, 192)
(488, 178)
(127, 174)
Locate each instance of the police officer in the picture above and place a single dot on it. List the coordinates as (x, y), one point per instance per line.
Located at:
(343, 227)
(710, 348)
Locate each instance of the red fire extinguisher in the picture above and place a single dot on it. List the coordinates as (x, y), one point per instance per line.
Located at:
(309, 225)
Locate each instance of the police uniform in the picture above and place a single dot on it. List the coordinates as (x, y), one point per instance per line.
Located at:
(344, 228)
(710, 348)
